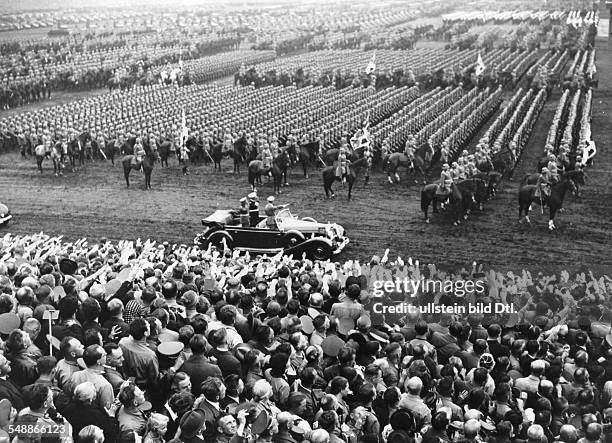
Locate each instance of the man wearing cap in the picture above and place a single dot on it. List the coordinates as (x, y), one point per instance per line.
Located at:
(243, 211)
(253, 209)
(270, 211)
(191, 426)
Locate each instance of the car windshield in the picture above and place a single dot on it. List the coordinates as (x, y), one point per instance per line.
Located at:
(284, 214)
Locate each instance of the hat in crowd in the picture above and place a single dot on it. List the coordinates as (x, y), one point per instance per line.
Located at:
(243, 200)
(271, 199)
(170, 348)
(68, 266)
(191, 423)
(252, 196)
(8, 323)
(331, 345)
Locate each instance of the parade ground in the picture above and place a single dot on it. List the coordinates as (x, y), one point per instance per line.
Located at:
(94, 202)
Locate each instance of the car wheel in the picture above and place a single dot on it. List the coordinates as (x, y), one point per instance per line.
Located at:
(293, 240)
(216, 239)
(321, 251)
(309, 219)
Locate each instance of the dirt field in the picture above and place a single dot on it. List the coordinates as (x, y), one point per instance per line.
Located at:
(94, 202)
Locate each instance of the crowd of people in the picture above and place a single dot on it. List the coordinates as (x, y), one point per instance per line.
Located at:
(130, 341)
(31, 75)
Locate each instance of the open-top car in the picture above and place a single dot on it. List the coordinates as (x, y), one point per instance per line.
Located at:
(5, 214)
(320, 241)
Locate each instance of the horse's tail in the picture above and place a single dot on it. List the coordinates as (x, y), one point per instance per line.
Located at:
(424, 199)
(251, 175)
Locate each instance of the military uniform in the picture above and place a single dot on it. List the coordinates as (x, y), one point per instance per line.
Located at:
(446, 179)
(253, 210)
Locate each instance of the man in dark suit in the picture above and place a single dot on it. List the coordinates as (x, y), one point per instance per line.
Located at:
(198, 367)
(8, 389)
(213, 391)
(225, 359)
(496, 349)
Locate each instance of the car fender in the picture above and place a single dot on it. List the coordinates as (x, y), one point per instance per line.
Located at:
(296, 233)
(298, 250)
(223, 233)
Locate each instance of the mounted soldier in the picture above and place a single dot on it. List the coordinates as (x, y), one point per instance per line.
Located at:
(343, 165)
(410, 149)
(552, 168)
(543, 184)
(444, 184)
(266, 158)
(139, 154)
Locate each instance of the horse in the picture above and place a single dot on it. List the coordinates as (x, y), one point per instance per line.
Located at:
(76, 149)
(527, 196)
(217, 153)
(492, 178)
(148, 162)
(57, 158)
(304, 154)
(329, 177)
(279, 165)
(392, 162)
(238, 153)
(577, 176)
(164, 152)
(461, 196)
(111, 150)
(503, 161)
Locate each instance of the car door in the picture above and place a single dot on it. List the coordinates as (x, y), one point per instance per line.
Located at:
(257, 238)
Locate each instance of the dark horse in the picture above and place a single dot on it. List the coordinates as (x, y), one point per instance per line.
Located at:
(238, 153)
(111, 150)
(503, 161)
(148, 162)
(279, 166)
(164, 152)
(217, 152)
(304, 154)
(329, 177)
(461, 197)
(76, 149)
(527, 196)
(492, 179)
(577, 176)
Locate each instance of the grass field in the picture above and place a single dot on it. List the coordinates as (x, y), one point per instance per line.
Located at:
(94, 202)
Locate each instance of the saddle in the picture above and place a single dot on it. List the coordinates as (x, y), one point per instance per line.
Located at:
(441, 193)
(136, 163)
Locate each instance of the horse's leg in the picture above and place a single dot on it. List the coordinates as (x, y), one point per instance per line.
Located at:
(551, 220)
(126, 173)
(425, 208)
(305, 167)
(351, 182)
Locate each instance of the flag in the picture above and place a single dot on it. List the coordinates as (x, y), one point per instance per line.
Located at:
(371, 65)
(588, 152)
(361, 138)
(184, 130)
(480, 66)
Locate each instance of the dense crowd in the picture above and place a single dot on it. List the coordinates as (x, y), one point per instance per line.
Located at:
(71, 64)
(137, 340)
